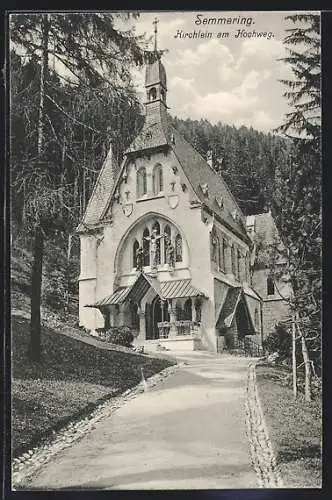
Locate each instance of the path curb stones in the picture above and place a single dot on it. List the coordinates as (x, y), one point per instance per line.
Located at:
(24, 466)
(261, 450)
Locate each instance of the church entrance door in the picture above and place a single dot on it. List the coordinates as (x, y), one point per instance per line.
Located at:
(153, 315)
(242, 321)
(156, 316)
(152, 318)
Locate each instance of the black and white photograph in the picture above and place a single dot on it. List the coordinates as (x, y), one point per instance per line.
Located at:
(165, 250)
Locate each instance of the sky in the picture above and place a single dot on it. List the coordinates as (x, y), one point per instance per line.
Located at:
(233, 80)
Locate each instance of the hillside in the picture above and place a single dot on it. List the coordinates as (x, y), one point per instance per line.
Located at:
(54, 305)
(73, 376)
(251, 162)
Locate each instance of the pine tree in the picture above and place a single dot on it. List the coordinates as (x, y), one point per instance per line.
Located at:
(84, 49)
(298, 211)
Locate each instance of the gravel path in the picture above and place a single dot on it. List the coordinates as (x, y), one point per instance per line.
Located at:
(29, 463)
(198, 426)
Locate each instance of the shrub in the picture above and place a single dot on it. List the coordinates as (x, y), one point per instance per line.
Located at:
(121, 335)
(279, 341)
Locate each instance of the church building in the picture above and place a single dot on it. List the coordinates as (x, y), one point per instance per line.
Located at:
(165, 248)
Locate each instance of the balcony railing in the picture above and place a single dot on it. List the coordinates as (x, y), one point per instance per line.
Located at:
(164, 328)
(184, 327)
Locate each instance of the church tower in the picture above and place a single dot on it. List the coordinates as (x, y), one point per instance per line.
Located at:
(155, 131)
(155, 78)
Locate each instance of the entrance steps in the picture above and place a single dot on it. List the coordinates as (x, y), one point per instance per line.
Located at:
(179, 343)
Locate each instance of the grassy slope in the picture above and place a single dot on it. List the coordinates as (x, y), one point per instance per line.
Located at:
(295, 429)
(71, 379)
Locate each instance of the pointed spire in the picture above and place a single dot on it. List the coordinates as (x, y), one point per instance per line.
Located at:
(155, 22)
(155, 76)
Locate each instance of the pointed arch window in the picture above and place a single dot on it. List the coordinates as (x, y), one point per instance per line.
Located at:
(134, 316)
(152, 94)
(187, 309)
(256, 318)
(233, 260)
(135, 249)
(156, 231)
(141, 182)
(146, 247)
(178, 311)
(222, 253)
(270, 286)
(247, 267)
(214, 247)
(178, 248)
(238, 258)
(157, 179)
(167, 240)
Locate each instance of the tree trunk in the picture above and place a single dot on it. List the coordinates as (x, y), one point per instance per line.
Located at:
(307, 370)
(36, 277)
(36, 283)
(294, 358)
(307, 366)
(43, 77)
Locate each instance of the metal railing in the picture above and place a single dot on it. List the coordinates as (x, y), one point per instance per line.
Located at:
(184, 327)
(249, 347)
(164, 328)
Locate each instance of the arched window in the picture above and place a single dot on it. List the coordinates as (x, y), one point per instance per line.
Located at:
(162, 95)
(256, 319)
(247, 267)
(178, 311)
(233, 260)
(178, 248)
(146, 247)
(134, 316)
(167, 240)
(214, 247)
(156, 231)
(238, 264)
(135, 248)
(187, 309)
(222, 254)
(152, 94)
(270, 286)
(141, 182)
(164, 306)
(157, 179)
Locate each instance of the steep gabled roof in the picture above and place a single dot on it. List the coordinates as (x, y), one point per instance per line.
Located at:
(135, 292)
(100, 194)
(154, 133)
(228, 309)
(199, 173)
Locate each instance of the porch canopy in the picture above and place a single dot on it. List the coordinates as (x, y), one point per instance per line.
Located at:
(134, 293)
(228, 309)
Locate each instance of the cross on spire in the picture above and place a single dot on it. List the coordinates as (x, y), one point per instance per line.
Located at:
(155, 22)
